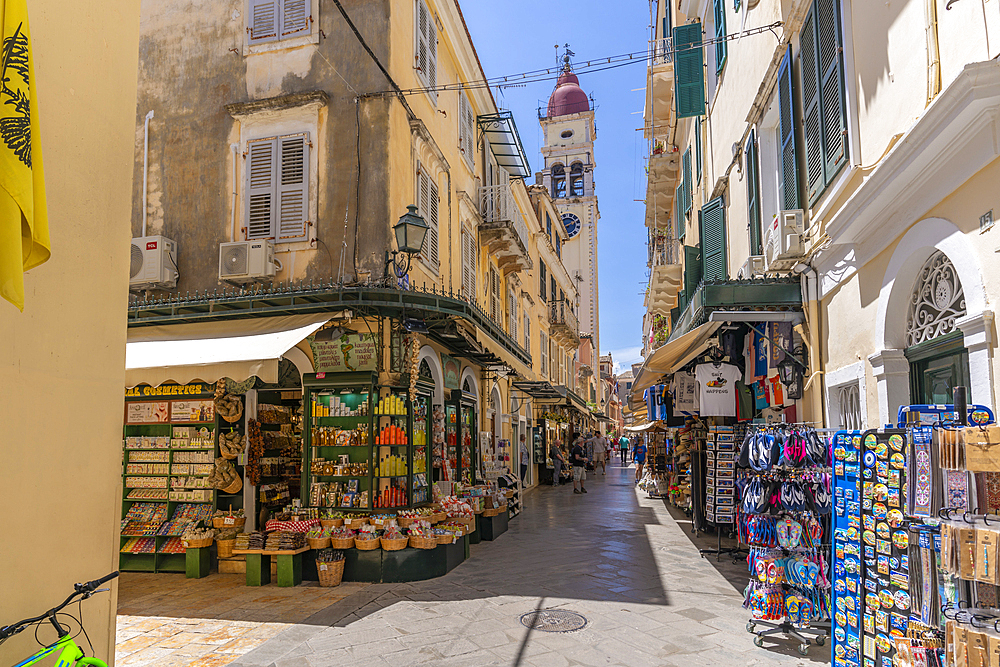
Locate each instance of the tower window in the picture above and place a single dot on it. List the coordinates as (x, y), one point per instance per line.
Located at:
(566, 134)
(576, 179)
(558, 181)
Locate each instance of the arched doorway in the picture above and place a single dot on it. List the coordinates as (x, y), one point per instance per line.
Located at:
(935, 346)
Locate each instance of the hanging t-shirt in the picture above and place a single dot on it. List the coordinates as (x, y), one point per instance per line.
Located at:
(649, 397)
(760, 355)
(717, 387)
(759, 395)
(777, 395)
(686, 397)
(744, 402)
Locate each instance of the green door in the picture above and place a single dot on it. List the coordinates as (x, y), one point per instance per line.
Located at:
(936, 368)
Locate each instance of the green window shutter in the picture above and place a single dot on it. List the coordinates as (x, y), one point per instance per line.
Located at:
(753, 194)
(688, 197)
(789, 153)
(692, 269)
(697, 148)
(713, 239)
(720, 35)
(831, 69)
(811, 108)
(679, 210)
(689, 71)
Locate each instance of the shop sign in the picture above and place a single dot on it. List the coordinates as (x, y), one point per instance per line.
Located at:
(192, 389)
(349, 352)
(192, 411)
(452, 372)
(147, 412)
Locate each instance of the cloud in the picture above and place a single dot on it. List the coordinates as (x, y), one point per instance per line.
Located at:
(625, 357)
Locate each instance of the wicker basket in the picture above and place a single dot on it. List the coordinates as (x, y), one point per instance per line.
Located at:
(396, 544)
(225, 548)
(490, 512)
(331, 523)
(366, 545)
(234, 487)
(418, 542)
(199, 544)
(437, 517)
(318, 542)
(405, 522)
(330, 574)
(342, 542)
(445, 539)
(356, 522)
(220, 522)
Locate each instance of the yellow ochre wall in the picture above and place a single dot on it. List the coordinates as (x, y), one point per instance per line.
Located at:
(62, 360)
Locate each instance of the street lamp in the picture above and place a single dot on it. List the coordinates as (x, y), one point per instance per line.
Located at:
(410, 232)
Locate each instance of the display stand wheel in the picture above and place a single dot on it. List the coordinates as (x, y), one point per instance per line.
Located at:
(758, 641)
(751, 627)
(803, 649)
(820, 640)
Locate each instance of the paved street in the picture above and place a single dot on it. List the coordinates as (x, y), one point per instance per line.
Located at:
(613, 555)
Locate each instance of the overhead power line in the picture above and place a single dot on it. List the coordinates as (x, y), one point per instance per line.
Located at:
(580, 67)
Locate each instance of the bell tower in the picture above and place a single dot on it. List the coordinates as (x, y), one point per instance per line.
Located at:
(569, 133)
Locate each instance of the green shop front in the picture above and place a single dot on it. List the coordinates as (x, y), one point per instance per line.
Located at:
(320, 413)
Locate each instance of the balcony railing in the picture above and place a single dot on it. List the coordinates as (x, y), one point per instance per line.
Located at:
(661, 51)
(563, 322)
(503, 229)
(665, 252)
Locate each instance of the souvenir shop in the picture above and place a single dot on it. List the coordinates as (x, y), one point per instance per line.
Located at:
(311, 447)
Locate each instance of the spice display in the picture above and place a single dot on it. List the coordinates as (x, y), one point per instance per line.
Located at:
(284, 540)
(224, 475)
(175, 545)
(273, 414)
(229, 407)
(456, 507)
(255, 453)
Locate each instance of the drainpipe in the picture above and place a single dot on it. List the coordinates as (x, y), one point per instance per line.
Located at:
(145, 170)
(232, 223)
(933, 50)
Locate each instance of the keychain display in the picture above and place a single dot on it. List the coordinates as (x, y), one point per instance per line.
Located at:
(848, 583)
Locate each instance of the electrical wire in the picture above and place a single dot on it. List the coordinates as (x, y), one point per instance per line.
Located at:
(552, 73)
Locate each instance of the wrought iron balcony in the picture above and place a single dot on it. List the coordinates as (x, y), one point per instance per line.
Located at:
(563, 324)
(660, 88)
(661, 51)
(503, 231)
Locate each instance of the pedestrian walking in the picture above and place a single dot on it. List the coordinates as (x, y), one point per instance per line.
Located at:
(623, 448)
(557, 462)
(578, 458)
(524, 462)
(639, 456)
(600, 454)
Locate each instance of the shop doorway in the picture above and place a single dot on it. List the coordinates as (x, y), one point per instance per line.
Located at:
(936, 352)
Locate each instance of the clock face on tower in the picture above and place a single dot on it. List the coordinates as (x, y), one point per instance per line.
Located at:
(572, 224)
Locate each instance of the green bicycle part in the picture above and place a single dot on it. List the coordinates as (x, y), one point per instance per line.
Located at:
(70, 655)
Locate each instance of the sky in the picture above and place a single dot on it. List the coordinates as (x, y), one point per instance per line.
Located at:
(519, 35)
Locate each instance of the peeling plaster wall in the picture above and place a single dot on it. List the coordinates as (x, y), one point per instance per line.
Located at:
(194, 60)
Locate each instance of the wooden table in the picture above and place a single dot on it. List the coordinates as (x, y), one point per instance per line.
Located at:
(259, 566)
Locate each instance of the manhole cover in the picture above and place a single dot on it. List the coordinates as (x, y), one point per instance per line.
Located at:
(553, 620)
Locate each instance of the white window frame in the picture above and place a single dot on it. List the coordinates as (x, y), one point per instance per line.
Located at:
(467, 144)
(309, 35)
(838, 383)
(289, 201)
(426, 38)
(428, 200)
(769, 162)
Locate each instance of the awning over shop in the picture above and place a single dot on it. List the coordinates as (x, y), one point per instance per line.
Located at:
(668, 358)
(537, 389)
(505, 143)
(208, 351)
(641, 427)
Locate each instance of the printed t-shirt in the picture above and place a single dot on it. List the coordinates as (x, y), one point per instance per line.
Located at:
(777, 395)
(649, 397)
(686, 397)
(760, 395)
(640, 452)
(717, 384)
(760, 355)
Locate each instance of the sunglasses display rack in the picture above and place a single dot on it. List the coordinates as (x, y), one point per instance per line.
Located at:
(783, 515)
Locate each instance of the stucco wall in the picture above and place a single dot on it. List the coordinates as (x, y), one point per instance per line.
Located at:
(192, 64)
(62, 359)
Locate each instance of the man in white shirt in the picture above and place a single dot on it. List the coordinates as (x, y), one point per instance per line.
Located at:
(600, 453)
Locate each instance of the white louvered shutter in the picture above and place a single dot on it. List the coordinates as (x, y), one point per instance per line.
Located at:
(423, 203)
(295, 17)
(466, 130)
(263, 23)
(433, 233)
(527, 330)
(293, 189)
(261, 170)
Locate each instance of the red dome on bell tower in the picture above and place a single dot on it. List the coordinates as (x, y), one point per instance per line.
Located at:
(567, 98)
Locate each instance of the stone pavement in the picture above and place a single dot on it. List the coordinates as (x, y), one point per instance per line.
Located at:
(613, 555)
(167, 620)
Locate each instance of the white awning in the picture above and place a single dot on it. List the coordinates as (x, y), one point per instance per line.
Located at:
(208, 351)
(670, 358)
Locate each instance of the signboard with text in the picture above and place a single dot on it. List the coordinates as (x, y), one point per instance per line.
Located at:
(349, 352)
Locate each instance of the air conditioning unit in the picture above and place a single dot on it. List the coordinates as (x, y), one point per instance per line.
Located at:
(752, 268)
(153, 263)
(783, 243)
(246, 261)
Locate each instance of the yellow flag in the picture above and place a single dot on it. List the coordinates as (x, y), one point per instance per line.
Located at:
(24, 224)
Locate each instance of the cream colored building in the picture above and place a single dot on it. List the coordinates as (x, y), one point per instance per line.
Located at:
(61, 359)
(856, 155)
